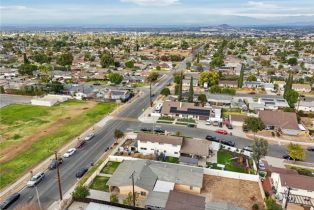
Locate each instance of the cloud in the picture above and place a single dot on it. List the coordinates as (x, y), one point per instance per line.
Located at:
(17, 7)
(261, 5)
(152, 2)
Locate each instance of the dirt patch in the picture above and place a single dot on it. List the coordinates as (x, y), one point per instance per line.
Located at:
(238, 192)
(10, 151)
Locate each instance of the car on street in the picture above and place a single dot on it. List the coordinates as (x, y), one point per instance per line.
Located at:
(261, 165)
(228, 143)
(159, 130)
(212, 138)
(53, 164)
(9, 201)
(81, 172)
(310, 149)
(191, 125)
(248, 148)
(89, 137)
(146, 129)
(229, 126)
(36, 179)
(80, 144)
(220, 131)
(287, 157)
(69, 153)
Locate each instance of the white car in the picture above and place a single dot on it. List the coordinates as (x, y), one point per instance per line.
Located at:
(69, 153)
(89, 136)
(35, 179)
(261, 165)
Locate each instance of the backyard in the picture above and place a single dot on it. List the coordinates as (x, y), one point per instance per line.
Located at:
(100, 183)
(31, 133)
(110, 167)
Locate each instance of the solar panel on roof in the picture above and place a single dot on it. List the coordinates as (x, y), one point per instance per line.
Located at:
(190, 111)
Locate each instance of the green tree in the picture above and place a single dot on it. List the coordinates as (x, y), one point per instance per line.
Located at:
(271, 204)
(27, 69)
(118, 134)
(295, 151)
(191, 91)
(80, 192)
(65, 59)
(41, 58)
(45, 73)
(165, 92)
(180, 87)
(55, 87)
(292, 61)
(251, 77)
(177, 78)
(106, 60)
(240, 81)
(254, 124)
(158, 68)
(115, 78)
(291, 96)
(114, 198)
(176, 89)
(129, 199)
(202, 99)
(2, 89)
(153, 76)
(26, 61)
(188, 65)
(259, 149)
(129, 64)
(210, 77)
(184, 45)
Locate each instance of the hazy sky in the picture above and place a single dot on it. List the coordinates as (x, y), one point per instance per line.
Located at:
(155, 12)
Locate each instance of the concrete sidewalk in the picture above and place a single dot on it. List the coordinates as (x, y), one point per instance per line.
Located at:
(279, 140)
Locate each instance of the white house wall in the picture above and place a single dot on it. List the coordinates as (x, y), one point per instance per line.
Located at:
(148, 148)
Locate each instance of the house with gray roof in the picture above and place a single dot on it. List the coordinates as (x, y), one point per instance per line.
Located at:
(219, 99)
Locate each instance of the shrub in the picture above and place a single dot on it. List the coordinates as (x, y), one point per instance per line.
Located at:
(114, 198)
(80, 192)
(255, 207)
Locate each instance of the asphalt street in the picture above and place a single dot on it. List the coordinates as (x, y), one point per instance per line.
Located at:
(13, 99)
(48, 191)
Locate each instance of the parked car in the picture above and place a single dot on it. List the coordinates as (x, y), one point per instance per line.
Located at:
(191, 125)
(220, 131)
(36, 179)
(248, 148)
(216, 123)
(9, 201)
(159, 130)
(252, 93)
(212, 138)
(81, 172)
(53, 164)
(80, 144)
(261, 165)
(229, 126)
(146, 129)
(208, 123)
(228, 142)
(310, 149)
(287, 157)
(89, 137)
(69, 153)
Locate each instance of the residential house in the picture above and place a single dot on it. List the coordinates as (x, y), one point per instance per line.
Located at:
(302, 88)
(269, 103)
(187, 82)
(154, 176)
(306, 106)
(286, 122)
(194, 152)
(253, 84)
(184, 201)
(114, 94)
(228, 83)
(222, 100)
(281, 85)
(184, 110)
(154, 144)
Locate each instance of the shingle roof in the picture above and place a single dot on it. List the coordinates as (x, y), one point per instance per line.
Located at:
(297, 181)
(283, 120)
(196, 147)
(145, 137)
(184, 201)
(170, 107)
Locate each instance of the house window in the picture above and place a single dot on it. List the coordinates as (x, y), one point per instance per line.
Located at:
(191, 187)
(176, 153)
(143, 193)
(143, 148)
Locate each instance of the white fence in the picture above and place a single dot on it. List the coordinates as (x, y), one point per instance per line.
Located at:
(120, 158)
(232, 175)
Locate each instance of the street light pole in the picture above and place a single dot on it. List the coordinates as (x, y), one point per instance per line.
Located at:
(150, 94)
(58, 176)
(132, 177)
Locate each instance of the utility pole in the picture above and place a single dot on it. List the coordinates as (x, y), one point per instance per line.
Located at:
(58, 175)
(150, 94)
(132, 177)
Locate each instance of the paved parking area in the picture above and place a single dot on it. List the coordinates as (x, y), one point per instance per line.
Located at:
(13, 99)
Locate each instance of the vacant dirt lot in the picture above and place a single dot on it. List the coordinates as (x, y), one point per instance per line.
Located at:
(238, 192)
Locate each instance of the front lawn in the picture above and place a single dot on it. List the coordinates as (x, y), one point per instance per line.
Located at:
(100, 183)
(226, 158)
(187, 120)
(110, 167)
(45, 145)
(172, 159)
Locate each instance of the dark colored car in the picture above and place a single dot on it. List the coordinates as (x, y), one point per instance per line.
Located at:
(80, 144)
(9, 201)
(229, 126)
(53, 164)
(159, 130)
(212, 138)
(191, 125)
(245, 128)
(81, 172)
(228, 142)
(287, 157)
(146, 129)
(310, 149)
